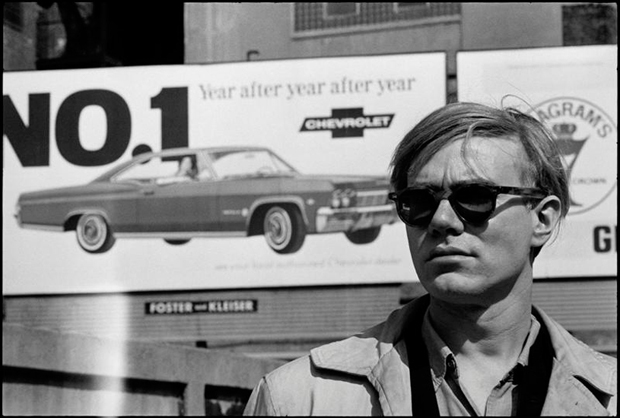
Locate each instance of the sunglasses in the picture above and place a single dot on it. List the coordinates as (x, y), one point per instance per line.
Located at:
(473, 203)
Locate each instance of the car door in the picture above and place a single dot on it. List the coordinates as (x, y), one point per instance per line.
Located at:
(169, 208)
(169, 201)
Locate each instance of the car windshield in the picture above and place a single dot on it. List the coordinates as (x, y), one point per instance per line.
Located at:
(248, 163)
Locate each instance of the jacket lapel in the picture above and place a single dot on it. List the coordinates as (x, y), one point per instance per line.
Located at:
(391, 379)
(567, 396)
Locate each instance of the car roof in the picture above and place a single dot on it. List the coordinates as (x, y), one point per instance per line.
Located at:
(170, 152)
(179, 151)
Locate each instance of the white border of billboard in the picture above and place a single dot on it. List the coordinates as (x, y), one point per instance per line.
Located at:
(258, 103)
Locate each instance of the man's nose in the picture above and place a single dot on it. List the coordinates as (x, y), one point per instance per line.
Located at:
(445, 219)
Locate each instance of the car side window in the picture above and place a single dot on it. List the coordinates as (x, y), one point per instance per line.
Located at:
(187, 171)
(161, 171)
(247, 163)
(204, 172)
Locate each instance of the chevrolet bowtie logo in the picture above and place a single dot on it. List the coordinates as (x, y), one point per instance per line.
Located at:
(346, 123)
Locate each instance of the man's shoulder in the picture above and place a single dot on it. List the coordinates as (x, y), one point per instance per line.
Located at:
(292, 372)
(301, 388)
(568, 346)
(325, 361)
(353, 356)
(336, 378)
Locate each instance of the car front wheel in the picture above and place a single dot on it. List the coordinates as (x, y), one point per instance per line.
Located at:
(284, 229)
(363, 236)
(94, 234)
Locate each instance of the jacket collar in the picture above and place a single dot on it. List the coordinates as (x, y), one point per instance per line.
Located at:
(360, 353)
(379, 354)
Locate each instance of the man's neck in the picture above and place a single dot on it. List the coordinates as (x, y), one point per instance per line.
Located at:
(496, 332)
(486, 340)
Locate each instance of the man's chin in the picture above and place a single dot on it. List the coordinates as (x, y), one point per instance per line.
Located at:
(455, 288)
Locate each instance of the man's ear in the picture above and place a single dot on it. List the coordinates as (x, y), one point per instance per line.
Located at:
(545, 217)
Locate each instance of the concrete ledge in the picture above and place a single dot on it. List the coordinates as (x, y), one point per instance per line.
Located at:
(145, 373)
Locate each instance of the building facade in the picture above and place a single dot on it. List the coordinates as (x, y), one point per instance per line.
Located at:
(287, 321)
(228, 32)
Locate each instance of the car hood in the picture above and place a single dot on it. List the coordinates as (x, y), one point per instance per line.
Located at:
(349, 181)
(90, 189)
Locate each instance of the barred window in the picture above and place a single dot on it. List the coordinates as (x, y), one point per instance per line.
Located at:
(340, 9)
(589, 24)
(310, 17)
(14, 16)
(403, 7)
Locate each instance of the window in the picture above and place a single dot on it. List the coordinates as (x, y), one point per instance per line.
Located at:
(410, 6)
(310, 18)
(159, 170)
(248, 164)
(589, 24)
(14, 16)
(225, 401)
(341, 9)
(424, 10)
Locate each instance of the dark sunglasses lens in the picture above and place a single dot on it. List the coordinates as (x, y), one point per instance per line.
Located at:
(474, 203)
(416, 207)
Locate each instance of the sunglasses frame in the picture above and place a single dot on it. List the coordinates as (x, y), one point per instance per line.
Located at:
(439, 195)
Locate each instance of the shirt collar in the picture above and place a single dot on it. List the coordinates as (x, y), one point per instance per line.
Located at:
(529, 342)
(442, 360)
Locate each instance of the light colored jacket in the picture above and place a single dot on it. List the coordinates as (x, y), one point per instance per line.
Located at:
(368, 374)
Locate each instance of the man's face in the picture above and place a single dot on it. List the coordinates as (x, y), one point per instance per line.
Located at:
(474, 264)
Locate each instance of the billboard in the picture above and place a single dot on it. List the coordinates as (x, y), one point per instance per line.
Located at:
(574, 91)
(309, 136)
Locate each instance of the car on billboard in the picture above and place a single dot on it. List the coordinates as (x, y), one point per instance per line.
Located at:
(184, 193)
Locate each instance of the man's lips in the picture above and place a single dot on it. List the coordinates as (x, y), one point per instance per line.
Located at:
(447, 252)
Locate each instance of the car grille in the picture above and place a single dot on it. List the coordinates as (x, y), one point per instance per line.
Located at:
(371, 198)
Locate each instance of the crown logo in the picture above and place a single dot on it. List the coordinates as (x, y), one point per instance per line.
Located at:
(564, 130)
(590, 165)
(569, 147)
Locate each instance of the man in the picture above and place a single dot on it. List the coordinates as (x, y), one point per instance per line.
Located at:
(480, 190)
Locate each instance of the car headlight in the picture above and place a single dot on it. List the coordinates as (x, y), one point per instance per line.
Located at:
(343, 198)
(336, 200)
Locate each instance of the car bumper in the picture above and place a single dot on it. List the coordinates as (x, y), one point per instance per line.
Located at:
(352, 219)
